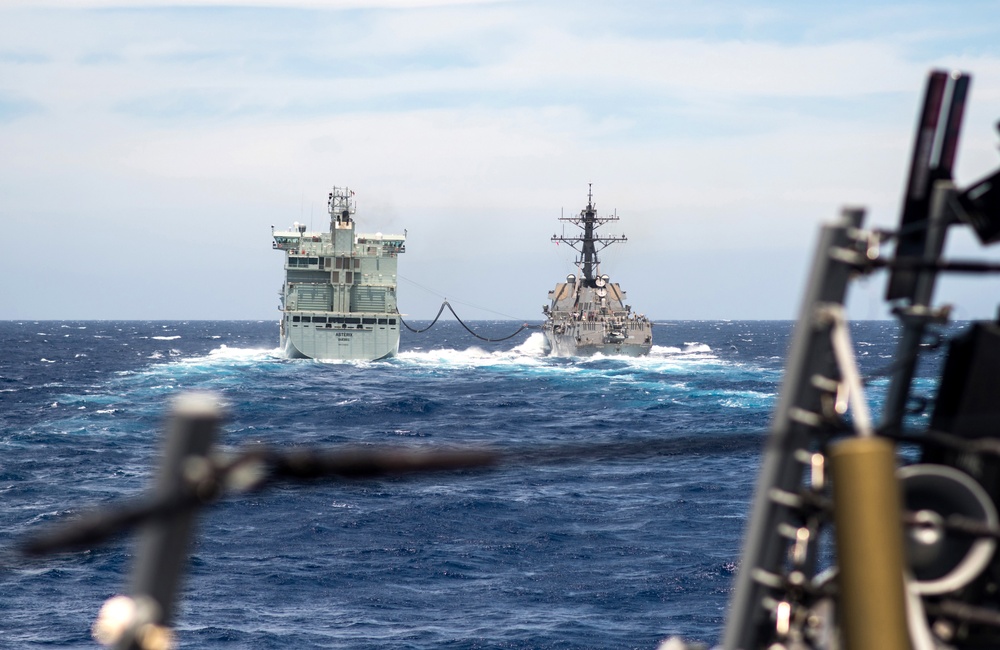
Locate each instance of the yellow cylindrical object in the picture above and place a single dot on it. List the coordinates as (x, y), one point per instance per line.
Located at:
(870, 554)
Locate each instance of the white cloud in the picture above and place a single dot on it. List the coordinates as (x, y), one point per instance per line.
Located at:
(471, 126)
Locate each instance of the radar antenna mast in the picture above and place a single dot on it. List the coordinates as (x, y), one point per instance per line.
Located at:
(341, 206)
(587, 244)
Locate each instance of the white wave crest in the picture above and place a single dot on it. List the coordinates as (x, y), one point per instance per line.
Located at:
(221, 357)
(690, 349)
(533, 354)
(534, 346)
(529, 353)
(226, 353)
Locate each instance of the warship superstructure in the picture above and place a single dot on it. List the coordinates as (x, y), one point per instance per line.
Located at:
(587, 314)
(339, 297)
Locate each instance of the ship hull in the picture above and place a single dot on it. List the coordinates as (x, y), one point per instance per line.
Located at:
(563, 346)
(582, 341)
(369, 342)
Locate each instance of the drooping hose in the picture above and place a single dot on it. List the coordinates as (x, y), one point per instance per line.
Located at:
(462, 323)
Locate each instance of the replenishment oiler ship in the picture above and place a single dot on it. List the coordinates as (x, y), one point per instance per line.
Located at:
(587, 315)
(339, 297)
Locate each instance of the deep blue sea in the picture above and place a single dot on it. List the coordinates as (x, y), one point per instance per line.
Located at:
(602, 553)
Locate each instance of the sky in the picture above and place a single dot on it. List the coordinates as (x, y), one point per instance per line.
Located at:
(147, 148)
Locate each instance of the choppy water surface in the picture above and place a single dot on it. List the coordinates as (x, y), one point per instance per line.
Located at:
(605, 552)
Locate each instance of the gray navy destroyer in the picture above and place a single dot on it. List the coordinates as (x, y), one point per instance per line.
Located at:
(339, 297)
(587, 314)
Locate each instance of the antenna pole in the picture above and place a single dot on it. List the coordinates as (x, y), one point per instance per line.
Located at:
(587, 243)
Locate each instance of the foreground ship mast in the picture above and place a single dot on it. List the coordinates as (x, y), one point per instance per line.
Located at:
(339, 296)
(589, 315)
(871, 533)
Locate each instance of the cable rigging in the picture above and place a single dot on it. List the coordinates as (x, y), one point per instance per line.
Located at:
(468, 329)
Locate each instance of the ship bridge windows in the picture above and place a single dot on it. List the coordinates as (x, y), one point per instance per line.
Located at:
(393, 247)
(286, 241)
(295, 261)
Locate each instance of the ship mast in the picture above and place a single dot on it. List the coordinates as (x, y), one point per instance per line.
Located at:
(341, 206)
(587, 244)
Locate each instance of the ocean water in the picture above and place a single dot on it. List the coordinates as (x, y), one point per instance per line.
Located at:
(607, 552)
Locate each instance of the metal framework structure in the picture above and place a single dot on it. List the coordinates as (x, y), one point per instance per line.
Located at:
(586, 244)
(842, 549)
